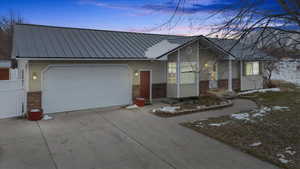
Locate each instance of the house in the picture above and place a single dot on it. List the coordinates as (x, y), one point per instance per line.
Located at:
(66, 69)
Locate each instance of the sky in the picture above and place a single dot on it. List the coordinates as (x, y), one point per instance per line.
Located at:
(123, 15)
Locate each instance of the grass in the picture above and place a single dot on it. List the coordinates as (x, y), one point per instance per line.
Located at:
(277, 130)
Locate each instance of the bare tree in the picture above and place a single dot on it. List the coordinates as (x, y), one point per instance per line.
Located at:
(6, 32)
(261, 23)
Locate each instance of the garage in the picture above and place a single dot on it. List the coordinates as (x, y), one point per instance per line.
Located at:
(79, 86)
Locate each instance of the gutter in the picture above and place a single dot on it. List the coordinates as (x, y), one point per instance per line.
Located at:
(92, 59)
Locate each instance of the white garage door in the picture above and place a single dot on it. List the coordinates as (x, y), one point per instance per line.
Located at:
(76, 87)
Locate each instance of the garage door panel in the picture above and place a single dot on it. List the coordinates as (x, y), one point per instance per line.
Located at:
(82, 87)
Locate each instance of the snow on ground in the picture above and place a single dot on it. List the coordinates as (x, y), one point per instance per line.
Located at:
(261, 112)
(258, 113)
(132, 106)
(167, 109)
(241, 116)
(282, 158)
(46, 117)
(255, 144)
(218, 124)
(288, 70)
(290, 151)
(260, 91)
(280, 108)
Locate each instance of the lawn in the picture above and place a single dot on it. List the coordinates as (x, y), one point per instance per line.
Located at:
(271, 132)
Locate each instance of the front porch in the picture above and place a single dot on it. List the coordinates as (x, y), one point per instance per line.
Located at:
(196, 68)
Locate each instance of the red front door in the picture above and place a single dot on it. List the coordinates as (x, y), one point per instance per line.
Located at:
(145, 84)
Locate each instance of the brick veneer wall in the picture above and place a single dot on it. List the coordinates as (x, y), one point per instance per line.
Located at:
(34, 100)
(236, 84)
(159, 90)
(204, 85)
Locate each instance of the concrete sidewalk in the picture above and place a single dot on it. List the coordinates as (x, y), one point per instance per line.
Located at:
(116, 139)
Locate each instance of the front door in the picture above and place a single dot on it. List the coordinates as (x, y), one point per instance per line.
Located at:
(145, 85)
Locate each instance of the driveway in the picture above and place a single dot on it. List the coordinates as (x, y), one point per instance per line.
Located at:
(118, 139)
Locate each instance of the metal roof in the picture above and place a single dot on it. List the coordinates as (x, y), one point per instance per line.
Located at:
(240, 51)
(50, 42)
(38, 41)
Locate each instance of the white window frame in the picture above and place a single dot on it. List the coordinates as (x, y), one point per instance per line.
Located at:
(252, 72)
(190, 72)
(172, 72)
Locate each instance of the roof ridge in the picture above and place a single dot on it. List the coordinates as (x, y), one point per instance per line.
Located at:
(91, 29)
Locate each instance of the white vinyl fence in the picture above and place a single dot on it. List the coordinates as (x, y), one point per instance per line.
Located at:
(11, 98)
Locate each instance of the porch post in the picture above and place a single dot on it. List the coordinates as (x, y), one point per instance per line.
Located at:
(241, 74)
(230, 75)
(178, 73)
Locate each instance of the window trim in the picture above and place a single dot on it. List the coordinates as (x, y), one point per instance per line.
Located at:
(252, 63)
(174, 73)
(192, 72)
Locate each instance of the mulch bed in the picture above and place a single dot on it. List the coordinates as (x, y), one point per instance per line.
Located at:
(189, 109)
(277, 131)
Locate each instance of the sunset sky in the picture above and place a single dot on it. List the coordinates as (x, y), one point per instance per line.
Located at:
(125, 15)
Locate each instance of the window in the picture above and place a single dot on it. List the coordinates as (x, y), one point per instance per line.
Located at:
(251, 68)
(188, 75)
(172, 72)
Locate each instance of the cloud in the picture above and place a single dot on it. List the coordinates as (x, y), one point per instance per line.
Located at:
(189, 7)
(178, 30)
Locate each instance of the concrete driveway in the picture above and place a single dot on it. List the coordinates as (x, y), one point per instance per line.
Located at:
(118, 139)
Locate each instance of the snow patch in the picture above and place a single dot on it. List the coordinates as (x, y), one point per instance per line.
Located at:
(218, 124)
(261, 112)
(260, 91)
(284, 161)
(255, 144)
(132, 106)
(280, 108)
(241, 116)
(198, 124)
(46, 117)
(282, 158)
(167, 109)
(290, 151)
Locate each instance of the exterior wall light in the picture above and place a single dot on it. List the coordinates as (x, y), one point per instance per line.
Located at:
(34, 76)
(206, 65)
(136, 73)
